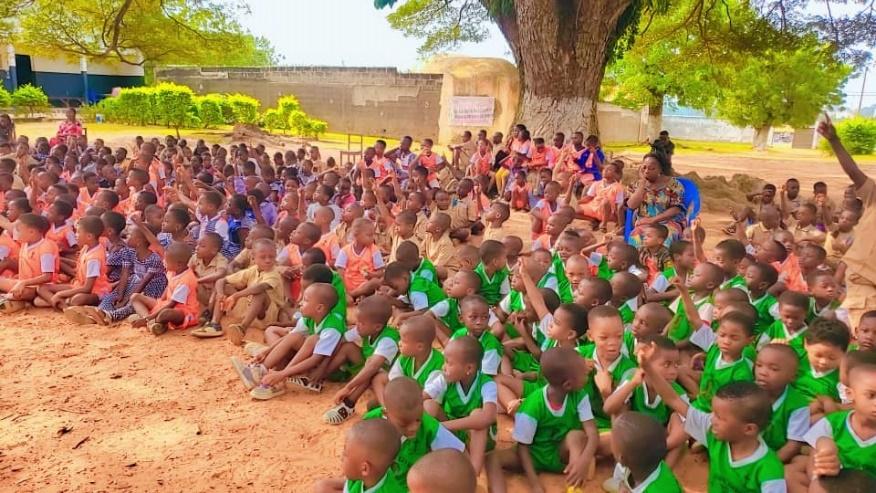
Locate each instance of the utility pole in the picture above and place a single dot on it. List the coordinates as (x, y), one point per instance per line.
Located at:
(863, 88)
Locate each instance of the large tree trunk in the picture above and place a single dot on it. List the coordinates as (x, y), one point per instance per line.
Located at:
(761, 137)
(561, 49)
(655, 119)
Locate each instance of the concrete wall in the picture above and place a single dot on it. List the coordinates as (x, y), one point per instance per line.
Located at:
(369, 101)
(620, 125)
(702, 128)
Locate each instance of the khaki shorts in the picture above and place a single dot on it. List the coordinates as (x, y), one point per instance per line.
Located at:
(860, 297)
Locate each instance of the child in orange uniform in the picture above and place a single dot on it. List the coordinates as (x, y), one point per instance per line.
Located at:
(38, 263)
(178, 307)
(360, 263)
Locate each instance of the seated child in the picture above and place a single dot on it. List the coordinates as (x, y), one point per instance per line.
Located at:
(493, 271)
(519, 194)
(369, 453)
(635, 394)
(602, 202)
(769, 223)
(626, 291)
(403, 227)
(824, 299)
(464, 399)
(366, 349)
(513, 247)
(695, 305)
(178, 307)
(739, 460)
(619, 257)
(805, 229)
(308, 348)
(554, 429)
(775, 371)
(724, 358)
(838, 241)
(418, 294)
(544, 209)
(651, 320)
(408, 254)
(593, 291)
(438, 247)
(209, 266)
(654, 257)
(494, 219)
(818, 378)
(727, 255)
(442, 471)
(417, 358)
(421, 433)
(90, 283)
(576, 269)
(248, 298)
(759, 277)
(790, 325)
(642, 459)
(38, 264)
(475, 317)
(865, 334)
(360, 263)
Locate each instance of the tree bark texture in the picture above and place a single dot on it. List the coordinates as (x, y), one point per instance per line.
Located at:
(655, 120)
(561, 49)
(761, 137)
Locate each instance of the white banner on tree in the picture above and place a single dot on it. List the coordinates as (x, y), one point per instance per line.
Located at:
(471, 110)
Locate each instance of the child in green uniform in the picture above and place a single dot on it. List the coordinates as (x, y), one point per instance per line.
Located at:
(593, 291)
(845, 439)
(790, 327)
(369, 453)
(417, 358)
(446, 312)
(827, 341)
(824, 299)
(774, 371)
(724, 361)
(634, 394)
(475, 316)
(695, 305)
(421, 433)
(554, 427)
(443, 471)
(408, 254)
(318, 324)
(369, 347)
(865, 333)
(619, 257)
(758, 278)
(549, 279)
(514, 301)
(459, 391)
(576, 269)
(416, 293)
(651, 319)
(727, 255)
(610, 366)
(638, 444)
(684, 261)
(493, 271)
(739, 460)
(626, 290)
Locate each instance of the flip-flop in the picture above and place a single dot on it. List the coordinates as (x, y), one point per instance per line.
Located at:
(265, 392)
(76, 315)
(302, 382)
(97, 315)
(245, 372)
(315, 387)
(208, 331)
(338, 414)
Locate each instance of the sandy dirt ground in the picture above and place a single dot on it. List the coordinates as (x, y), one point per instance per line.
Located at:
(114, 409)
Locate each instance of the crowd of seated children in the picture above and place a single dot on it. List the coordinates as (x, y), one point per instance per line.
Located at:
(398, 278)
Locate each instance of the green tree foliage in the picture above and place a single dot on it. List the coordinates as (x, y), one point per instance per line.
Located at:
(210, 109)
(29, 98)
(787, 86)
(244, 108)
(174, 102)
(288, 115)
(5, 98)
(192, 32)
(858, 135)
(273, 120)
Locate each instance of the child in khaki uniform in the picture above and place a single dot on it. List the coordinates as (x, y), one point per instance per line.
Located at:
(209, 266)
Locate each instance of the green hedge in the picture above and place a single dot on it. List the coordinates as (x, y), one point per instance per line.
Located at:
(30, 99)
(177, 106)
(5, 98)
(858, 135)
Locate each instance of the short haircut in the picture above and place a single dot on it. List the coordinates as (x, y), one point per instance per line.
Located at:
(317, 273)
(657, 312)
(214, 239)
(828, 331)
(859, 357)
(751, 404)
(630, 284)
(780, 249)
(315, 256)
(379, 438)
(551, 299)
(407, 250)
(114, 221)
(732, 248)
(767, 272)
(813, 278)
(513, 243)
(420, 327)
(627, 253)
(743, 320)
(406, 217)
(734, 294)
(678, 247)
(785, 349)
(112, 198)
(640, 439)
(660, 342)
(558, 364)
(848, 481)
(401, 394)
(869, 314)
(794, 298)
(63, 208)
(602, 311)
(326, 293)
(181, 216)
(35, 221)
(472, 299)
(262, 232)
(503, 209)
(179, 252)
(471, 279)
(578, 315)
(311, 231)
(148, 198)
(820, 252)
(91, 225)
(445, 471)
(490, 250)
(742, 308)
(375, 308)
(661, 230)
(139, 175)
(470, 349)
(213, 198)
(396, 270)
(601, 289)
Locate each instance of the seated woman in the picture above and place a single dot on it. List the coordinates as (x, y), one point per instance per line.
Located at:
(71, 127)
(657, 198)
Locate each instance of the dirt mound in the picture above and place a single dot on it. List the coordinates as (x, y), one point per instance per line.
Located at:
(254, 135)
(717, 193)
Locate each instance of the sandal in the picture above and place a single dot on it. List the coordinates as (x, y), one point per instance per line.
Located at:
(96, 315)
(338, 414)
(9, 307)
(315, 387)
(250, 375)
(235, 334)
(157, 328)
(208, 331)
(265, 392)
(253, 349)
(299, 381)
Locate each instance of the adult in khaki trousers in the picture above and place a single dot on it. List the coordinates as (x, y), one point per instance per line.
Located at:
(860, 259)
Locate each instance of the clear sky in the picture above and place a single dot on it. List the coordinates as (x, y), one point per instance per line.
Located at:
(354, 33)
